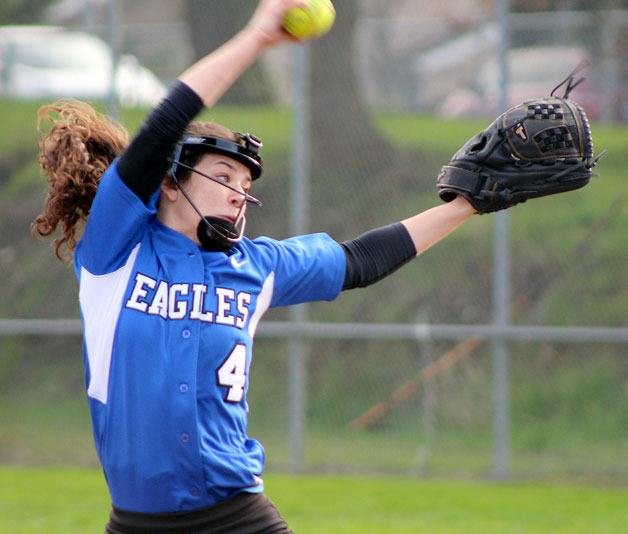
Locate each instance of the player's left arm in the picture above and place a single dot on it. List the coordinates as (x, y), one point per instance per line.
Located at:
(429, 227)
(380, 252)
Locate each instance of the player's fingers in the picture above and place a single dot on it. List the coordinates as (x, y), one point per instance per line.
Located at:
(268, 18)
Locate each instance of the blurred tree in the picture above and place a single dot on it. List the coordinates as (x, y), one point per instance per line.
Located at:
(337, 110)
(343, 132)
(209, 28)
(22, 11)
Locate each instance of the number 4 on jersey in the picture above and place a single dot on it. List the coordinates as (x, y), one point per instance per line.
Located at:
(232, 373)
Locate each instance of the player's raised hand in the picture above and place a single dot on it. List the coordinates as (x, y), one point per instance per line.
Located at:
(212, 75)
(267, 21)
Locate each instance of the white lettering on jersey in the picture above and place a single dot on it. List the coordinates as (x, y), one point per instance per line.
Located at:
(173, 301)
(142, 284)
(244, 301)
(159, 306)
(225, 298)
(197, 312)
(177, 309)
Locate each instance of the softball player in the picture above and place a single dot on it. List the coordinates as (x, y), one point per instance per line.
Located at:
(171, 291)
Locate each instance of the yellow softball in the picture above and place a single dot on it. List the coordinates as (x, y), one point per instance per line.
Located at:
(310, 22)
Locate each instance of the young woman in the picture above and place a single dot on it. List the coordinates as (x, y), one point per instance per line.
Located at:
(171, 291)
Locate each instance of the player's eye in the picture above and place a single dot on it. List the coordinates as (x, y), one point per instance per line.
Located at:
(222, 178)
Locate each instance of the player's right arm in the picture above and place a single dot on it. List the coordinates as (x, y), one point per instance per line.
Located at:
(145, 162)
(116, 220)
(211, 76)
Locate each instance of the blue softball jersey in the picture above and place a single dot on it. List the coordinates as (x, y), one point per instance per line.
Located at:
(168, 334)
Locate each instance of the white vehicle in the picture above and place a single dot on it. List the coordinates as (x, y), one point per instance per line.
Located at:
(47, 62)
(534, 72)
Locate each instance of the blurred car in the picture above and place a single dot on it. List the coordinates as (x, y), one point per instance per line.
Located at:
(47, 62)
(534, 72)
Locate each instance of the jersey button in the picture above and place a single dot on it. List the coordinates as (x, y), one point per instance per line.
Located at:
(184, 388)
(194, 491)
(185, 437)
(186, 334)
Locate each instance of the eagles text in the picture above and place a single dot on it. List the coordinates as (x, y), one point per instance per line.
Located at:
(180, 301)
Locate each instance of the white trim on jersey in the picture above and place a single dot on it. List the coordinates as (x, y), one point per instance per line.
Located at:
(101, 303)
(263, 302)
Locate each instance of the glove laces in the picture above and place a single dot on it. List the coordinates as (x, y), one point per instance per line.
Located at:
(570, 80)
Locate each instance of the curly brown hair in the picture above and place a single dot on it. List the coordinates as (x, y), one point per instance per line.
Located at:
(74, 154)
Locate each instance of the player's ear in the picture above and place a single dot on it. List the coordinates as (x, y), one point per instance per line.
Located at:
(169, 190)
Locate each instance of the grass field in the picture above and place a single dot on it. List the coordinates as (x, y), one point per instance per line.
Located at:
(69, 500)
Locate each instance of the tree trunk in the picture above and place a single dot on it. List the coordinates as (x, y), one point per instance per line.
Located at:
(213, 23)
(342, 132)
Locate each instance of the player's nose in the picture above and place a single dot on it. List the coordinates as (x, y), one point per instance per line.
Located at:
(237, 198)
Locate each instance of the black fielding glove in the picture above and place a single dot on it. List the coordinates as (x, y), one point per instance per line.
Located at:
(540, 147)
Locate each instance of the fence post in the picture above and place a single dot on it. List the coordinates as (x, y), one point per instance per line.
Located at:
(299, 221)
(501, 265)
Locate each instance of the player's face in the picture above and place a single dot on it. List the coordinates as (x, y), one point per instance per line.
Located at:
(211, 197)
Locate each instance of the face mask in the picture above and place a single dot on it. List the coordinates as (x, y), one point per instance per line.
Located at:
(213, 233)
(218, 235)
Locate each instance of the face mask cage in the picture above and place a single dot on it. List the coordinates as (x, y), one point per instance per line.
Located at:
(211, 230)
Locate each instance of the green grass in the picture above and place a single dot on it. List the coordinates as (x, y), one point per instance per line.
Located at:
(76, 501)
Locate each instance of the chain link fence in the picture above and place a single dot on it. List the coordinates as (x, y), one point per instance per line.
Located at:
(386, 104)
